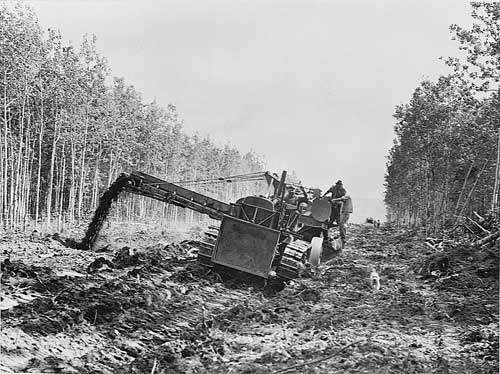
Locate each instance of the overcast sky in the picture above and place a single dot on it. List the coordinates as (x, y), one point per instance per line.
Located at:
(309, 85)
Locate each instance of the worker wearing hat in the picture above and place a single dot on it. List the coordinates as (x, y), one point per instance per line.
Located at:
(340, 212)
(290, 196)
(336, 190)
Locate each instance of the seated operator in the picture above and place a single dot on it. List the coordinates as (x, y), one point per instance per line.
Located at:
(290, 197)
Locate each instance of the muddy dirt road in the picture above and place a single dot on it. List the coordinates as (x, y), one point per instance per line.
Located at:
(150, 308)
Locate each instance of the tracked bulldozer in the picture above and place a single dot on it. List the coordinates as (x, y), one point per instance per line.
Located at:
(258, 235)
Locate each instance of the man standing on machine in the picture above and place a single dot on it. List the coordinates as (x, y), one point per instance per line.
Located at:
(337, 192)
(341, 208)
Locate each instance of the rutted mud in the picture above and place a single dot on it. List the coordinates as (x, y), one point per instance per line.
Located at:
(154, 309)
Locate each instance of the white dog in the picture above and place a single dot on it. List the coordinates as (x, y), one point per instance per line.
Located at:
(375, 280)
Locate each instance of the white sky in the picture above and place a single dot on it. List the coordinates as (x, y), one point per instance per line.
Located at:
(310, 85)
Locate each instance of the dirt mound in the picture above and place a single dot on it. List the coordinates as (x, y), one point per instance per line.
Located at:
(460, 260)
(21, 270)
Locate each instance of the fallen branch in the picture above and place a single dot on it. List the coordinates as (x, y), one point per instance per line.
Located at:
(481, 219)
(487, 239)
(322, 358)
(431, 246)
(155, 362)
(480, 227)
(58, 294)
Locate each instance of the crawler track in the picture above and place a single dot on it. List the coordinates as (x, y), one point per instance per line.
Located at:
(288, 263)
(207, 245)
(292, 259)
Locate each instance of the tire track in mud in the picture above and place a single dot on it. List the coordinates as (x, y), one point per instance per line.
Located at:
(155, 296)
(158, 307)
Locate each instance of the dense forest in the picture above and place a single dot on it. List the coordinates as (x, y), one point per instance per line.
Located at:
(444, 162)
(68, 130)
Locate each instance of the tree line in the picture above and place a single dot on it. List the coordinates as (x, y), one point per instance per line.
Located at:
(444, 161)
(68, 130)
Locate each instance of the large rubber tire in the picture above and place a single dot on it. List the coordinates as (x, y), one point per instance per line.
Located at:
(316, 249)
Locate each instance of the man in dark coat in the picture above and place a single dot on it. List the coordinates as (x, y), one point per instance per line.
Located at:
(337, 190)
(290, 197)
(339, 202)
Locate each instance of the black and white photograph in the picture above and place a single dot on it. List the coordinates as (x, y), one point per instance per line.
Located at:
(249, 186)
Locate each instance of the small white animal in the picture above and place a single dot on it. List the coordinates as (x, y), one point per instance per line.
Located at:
(375, 280)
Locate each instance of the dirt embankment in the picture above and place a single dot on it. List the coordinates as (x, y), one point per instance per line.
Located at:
(152, 309)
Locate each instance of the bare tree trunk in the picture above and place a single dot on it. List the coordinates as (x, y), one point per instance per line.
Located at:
(463, 188)
(16, 177)
(475, 183)
(72, 187)
(12, 183)
(95, 184)
(62, 180)
(494, 202)
(27, 177)
(2, 177)
(5, 158)
(39, 172)
(111, 168)
(82, 168)
(52, 169)
(25, 182)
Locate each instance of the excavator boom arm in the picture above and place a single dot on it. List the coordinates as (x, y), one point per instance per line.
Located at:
(155, 188)
(147, 185)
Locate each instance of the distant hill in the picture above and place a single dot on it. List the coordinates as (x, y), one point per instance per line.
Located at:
(364, 207)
